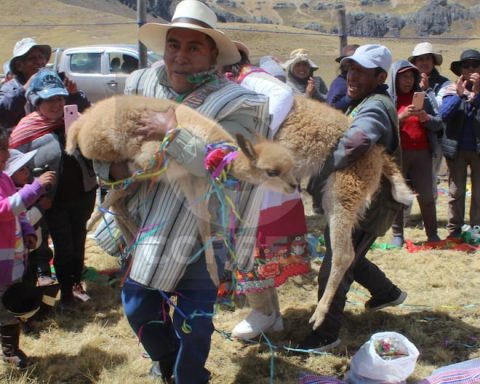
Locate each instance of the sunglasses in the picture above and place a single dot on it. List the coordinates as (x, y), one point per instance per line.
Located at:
(470, 64)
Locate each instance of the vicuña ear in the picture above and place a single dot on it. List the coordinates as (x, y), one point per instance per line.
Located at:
(247, 147)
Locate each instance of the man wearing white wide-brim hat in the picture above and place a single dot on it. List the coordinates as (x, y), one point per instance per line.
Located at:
(162, 263)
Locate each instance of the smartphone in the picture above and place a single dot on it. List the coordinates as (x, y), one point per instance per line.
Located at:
(70, 114)
(418, 100)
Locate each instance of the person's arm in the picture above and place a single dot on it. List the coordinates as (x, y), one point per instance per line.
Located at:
(12, 103)
(433, 121)
(449, 107)
(440, 94)
(370, 126)
(321, 90)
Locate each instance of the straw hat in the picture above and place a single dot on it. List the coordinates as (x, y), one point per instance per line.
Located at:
(195, 15)
(297, 56)
(24, 46)
(425, 49)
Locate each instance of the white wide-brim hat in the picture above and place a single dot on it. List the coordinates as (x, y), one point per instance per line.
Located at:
(17, 160)
(24, 46)
(297, 56)
(425, 49)
(195, 15)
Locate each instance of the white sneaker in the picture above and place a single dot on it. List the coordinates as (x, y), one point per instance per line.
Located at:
(256, 323)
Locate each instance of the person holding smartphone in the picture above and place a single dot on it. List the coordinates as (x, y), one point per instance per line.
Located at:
(74, 193)
(461, 143)
(420, 125)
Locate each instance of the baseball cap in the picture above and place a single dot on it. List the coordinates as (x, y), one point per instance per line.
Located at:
(372, 56)
(45, 84)
(17, 160)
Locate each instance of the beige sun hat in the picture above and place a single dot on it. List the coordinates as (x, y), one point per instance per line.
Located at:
(195, 15)
(298, 55)
(22, 47)
(425, 48)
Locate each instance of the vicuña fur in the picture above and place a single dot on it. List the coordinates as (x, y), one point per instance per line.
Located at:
(311, 131)
(106, 132)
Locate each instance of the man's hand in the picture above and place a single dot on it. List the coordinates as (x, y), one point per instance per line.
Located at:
(157, 124)
(30, 241)
(424, 84)
(47, 179)
(475, 80)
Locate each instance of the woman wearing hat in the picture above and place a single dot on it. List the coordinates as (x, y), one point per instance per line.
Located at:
(435, 85)
(427, 60)
(28, 58)
(460, 110)
(300, 77)
(74, 194)
(170, 261)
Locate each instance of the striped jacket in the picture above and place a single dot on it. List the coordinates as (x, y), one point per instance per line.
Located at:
(162, 255)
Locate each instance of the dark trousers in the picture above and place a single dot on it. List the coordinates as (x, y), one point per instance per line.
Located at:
(39, 259)
(187, 340)
(457, 190)
(362, 270)
(417, 169)
(67, 224)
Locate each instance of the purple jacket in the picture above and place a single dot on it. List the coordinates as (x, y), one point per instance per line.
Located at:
(13, 204)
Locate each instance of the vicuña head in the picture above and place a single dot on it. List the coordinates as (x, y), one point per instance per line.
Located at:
(266, 163)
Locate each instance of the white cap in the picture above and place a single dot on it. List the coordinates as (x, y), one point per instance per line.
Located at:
(372, 56)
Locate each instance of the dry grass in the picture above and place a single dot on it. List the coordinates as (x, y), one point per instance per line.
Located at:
(96, 345)
(441, 317)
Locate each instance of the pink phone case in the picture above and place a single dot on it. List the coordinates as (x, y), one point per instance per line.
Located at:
(418, 100)
(70, 114)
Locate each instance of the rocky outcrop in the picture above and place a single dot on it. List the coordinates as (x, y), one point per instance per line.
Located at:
(437, 17)
(434, 18)
(373, 25)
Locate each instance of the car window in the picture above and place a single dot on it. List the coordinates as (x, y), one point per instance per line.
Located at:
(129, 63)
(86, 62)
(115, 60)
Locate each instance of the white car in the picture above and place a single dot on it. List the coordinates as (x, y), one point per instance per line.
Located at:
(99, 70)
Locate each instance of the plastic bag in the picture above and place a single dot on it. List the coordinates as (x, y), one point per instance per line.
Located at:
(387, 358)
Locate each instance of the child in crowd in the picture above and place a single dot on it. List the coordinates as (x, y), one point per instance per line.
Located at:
(38, 269)
(17, 237)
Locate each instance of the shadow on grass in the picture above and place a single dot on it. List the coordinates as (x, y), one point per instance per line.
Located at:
(82, 368)
(104, 306)
(441, 338)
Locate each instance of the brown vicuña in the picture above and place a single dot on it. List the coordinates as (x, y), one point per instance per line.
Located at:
(106, 132)
(311, 131)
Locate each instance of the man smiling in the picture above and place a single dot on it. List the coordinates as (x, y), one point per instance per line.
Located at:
(374, 121)
(170, 261)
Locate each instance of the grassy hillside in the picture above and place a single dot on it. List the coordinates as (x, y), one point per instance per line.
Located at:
(99, 17)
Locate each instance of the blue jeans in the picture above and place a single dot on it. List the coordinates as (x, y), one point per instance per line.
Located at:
(147, 311)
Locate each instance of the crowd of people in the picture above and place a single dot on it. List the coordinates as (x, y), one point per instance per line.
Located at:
(407, 106)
